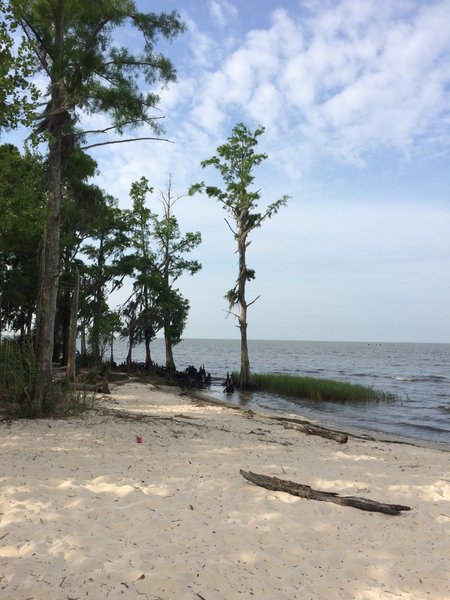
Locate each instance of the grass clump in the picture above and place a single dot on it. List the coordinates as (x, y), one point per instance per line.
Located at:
(71, 403)
(19, 375)
(319, 389)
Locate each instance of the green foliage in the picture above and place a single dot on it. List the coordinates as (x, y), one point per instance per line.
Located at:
(159, 260)
(17, 95)
(236, 161)
(143, 311)
(99, 75)
(23, 214)
(319, 389)
(21, 191)
(175, 310)
(104, 272)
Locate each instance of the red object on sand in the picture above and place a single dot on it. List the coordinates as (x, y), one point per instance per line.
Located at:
(139, 439)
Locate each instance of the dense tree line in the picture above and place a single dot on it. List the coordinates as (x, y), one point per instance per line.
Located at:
(102, 243)
(65, 245)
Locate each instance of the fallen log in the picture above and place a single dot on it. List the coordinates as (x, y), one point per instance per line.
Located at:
(305, 491)
(311, 429)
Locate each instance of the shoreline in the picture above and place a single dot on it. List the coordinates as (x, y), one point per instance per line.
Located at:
(86, 511)
(373, 435)
(414, 373)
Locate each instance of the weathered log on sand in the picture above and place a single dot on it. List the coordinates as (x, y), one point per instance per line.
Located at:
(305, 491)
(311, 429)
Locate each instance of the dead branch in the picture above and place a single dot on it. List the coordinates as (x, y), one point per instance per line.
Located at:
(253, 301)
(126, 141)
(305, 491)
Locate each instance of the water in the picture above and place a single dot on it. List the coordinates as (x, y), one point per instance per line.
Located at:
(417, 373)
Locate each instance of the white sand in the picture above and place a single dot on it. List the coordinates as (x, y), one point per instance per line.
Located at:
(86, 512)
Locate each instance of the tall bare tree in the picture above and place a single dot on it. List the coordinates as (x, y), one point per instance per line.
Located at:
(235, 162)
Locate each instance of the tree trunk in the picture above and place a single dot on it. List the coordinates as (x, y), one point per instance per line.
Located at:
(98, 307)
(148, 355)
(72, 341)
(95, 338)
(50, 254)
(49, 273)
(170, 363)
(245, 380)
(65, 315)
(130, 344)
(111, 358)
(83, 348)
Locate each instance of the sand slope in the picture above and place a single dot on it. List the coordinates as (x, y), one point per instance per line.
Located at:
(86, 512)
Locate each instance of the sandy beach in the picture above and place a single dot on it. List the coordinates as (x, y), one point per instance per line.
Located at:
(87, 512)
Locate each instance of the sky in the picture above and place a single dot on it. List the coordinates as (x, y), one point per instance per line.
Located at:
(354, 96)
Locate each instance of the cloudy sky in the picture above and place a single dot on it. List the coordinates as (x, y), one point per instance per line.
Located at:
(355, 99)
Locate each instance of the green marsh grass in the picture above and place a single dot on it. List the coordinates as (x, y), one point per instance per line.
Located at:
(19, 374)
(319, 389)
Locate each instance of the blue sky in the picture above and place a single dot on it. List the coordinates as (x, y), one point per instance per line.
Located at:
(355, 98)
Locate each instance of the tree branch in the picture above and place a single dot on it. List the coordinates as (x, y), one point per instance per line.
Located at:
(90, 131)
(231, 229)
(126, 141)
(229, 312)
(25, 26)
(253, 301)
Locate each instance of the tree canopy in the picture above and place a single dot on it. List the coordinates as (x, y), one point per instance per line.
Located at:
(86, 71)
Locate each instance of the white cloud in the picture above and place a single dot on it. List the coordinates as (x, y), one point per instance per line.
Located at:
(222, 12)
(266, 105)
(202, 45)
(349, 78)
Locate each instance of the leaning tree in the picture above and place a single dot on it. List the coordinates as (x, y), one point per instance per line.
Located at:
(235, 162)
(87, 70)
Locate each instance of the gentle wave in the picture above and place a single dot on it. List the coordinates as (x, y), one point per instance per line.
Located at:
(422, 378)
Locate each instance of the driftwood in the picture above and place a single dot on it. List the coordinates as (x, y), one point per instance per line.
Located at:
(311, 429)
(305, 491)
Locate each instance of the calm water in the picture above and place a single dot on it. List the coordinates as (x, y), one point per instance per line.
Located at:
(417, 373)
